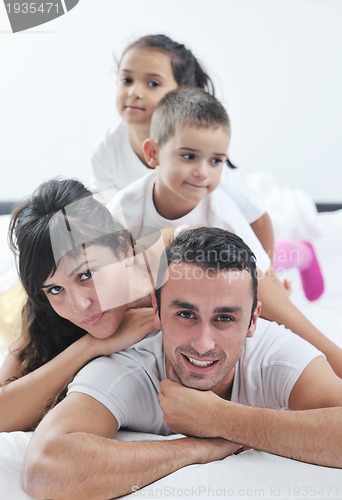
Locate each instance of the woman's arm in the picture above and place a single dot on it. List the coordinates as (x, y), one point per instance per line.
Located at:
(24, 401)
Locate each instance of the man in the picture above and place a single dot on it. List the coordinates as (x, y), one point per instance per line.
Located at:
(229, 381)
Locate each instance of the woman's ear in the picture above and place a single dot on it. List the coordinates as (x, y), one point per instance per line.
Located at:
(150, 149)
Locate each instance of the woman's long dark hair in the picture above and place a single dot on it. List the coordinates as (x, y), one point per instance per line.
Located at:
(38, 236)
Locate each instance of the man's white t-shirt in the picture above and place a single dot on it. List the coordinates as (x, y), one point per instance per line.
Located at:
(217, 209)
(128, 382)
(115, 165)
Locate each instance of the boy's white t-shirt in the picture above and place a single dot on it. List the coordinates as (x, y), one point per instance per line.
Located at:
(217, 209)
(115, 165)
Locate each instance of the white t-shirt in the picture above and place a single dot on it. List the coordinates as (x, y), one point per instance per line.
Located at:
(128, 382)
(216, 210)
(115, 165)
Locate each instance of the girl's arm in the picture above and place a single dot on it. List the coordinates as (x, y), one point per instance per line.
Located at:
(263, 229)
(24, 401)
(276, 306)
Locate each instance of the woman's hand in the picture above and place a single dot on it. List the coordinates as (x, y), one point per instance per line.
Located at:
(136, 324)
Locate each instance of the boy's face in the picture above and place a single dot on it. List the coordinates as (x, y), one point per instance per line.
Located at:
(190, 165)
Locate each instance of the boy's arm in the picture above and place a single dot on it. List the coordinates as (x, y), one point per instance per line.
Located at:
(71, 454)
(263, 229)
(311, 431)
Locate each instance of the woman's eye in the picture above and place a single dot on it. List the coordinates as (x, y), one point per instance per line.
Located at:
(87, 275)
(55, 290)
(188, 156)
(153, 84)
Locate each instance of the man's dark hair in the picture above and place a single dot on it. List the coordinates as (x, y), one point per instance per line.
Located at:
(212, 249)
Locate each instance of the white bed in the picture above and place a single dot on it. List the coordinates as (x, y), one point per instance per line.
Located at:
(251, 474)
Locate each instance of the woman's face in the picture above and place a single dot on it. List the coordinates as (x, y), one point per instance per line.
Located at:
(90, 290)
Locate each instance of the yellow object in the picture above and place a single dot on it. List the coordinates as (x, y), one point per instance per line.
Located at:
(11, 304)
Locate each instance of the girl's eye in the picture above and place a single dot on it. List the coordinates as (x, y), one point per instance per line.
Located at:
(153, 84)
(186, 314)
(87, 275)
(188, 156)
(126, 80)
(55, 290)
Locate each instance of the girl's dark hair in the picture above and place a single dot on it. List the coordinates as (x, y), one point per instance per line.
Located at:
(38, 236)
(186, 68)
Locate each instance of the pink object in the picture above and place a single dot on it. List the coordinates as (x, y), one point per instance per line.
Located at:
(300, 255)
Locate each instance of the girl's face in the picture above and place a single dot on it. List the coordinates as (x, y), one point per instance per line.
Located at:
(145, 76)
(75, 290)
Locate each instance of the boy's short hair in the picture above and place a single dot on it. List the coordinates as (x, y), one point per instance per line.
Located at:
(186, 106)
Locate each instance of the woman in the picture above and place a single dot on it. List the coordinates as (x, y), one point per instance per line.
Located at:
(75, 263)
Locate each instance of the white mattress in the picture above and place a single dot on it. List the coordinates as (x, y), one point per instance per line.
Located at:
(252, 474)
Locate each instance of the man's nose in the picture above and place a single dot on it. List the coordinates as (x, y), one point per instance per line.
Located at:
(203, 338)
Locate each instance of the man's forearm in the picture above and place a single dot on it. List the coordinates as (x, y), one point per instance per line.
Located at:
(81, 465)
(313, 436)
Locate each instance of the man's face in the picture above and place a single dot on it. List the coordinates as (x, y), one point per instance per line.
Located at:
(205, 318)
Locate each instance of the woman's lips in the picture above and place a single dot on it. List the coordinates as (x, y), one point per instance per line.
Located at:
(94, 319)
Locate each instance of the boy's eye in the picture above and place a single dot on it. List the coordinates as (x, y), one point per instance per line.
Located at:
(216, 161)
(153, 84)
(188, 156)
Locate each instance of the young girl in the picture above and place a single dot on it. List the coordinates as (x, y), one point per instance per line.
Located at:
(69, 250)
(149, 68)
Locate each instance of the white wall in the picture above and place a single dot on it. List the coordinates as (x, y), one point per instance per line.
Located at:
(276, 65)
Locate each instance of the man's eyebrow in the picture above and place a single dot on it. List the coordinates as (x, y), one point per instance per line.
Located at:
(231, 309)
(178, 304)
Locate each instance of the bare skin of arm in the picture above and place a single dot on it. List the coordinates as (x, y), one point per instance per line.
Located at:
(263, 229)
(310, 432)
(276, 306)
(73, 458)
(34, 393)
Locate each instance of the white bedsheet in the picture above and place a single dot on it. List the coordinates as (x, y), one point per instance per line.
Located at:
(252, 474)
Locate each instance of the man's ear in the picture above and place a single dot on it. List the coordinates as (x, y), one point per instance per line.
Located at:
(157, 322)
(255, 316)
(150, 149)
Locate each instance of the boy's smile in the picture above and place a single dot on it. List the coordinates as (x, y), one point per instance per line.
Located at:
(189, 168)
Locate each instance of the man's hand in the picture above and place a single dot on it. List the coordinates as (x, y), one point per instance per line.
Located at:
(189, 411)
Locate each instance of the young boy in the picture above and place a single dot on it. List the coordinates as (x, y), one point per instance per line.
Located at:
(188, 145)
